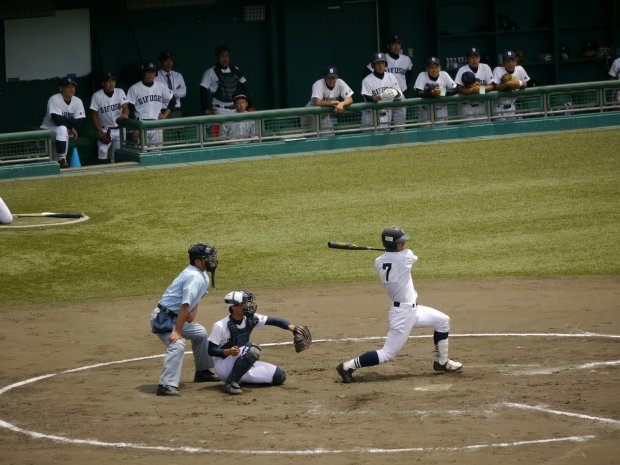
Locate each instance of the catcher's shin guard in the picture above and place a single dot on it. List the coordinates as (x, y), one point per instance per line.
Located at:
(244, 363)
(278, 377)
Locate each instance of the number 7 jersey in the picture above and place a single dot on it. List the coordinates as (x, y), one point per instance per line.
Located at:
(394, 270)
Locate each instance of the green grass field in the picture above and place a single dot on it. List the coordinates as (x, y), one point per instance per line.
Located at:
(524, 206)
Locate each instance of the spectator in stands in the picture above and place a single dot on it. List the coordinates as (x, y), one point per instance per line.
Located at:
(434, 83)
(220, 83)
(511, 77)
(244, 131)
(331, 91)
(173, 80)
(65, 113)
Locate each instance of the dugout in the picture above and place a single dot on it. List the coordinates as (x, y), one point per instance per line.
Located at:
(283, 45)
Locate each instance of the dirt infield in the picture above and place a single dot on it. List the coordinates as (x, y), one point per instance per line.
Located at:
(540, 383)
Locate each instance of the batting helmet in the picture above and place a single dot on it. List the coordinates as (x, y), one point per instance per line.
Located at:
(377, 57)
(393, 235)
(468, 78)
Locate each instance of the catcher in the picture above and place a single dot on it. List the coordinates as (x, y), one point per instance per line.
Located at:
(236, 358)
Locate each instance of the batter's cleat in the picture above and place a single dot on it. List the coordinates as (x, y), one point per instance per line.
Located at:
(346, 375)
(63, 163)
(449, 367)
(232, 388)
(204, 376)
(167, 391)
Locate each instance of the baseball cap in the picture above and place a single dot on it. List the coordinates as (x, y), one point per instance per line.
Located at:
(67, 81)
(107, 76)
(509, 55)
(393, 38)
(433, 61)
(238, 96)
(150, 66)
(473, 51)
(330, 71)
(165, 54)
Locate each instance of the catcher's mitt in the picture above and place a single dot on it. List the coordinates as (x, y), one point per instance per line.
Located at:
(390, 94)
(302, 339)
(506, 77)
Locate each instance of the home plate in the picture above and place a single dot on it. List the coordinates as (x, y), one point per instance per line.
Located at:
(433, 387)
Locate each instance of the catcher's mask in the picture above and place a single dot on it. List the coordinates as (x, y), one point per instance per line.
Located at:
(244, 298)
(393, 235)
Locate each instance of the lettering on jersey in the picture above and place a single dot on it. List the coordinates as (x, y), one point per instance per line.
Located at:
(379, 90)
(68, 114)
(149, 98)
(109, 108)
(396, 70)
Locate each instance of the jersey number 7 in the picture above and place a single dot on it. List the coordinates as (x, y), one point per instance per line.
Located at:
(388, 267)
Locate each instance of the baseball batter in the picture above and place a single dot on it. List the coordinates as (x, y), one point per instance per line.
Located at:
(107, 106)
(149, 101)
(510, 76)
(373, 86)
(481, 83)
(394, 269)
(331, 91)
(173, 319)
(65, 113)
(400, 66)
(236, 357)
(432, 83)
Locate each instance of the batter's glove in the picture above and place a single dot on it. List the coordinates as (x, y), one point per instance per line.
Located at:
(302, 339)
(390, 94)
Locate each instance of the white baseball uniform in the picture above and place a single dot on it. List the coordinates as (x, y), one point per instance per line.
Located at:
(341, 91)
(399, 66)
(507, 105)
(443, 80)
(614, 71)
(109, 108)
(149, 101)
(485, 75)
(260, 372)
(239, 130)
(6, 217)
(56, 105)
(374, 85)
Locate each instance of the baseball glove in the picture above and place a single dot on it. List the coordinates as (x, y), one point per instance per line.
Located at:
(390, 94)
(302, 339)
(506, 77)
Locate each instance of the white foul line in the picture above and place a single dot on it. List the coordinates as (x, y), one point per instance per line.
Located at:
(540, 408)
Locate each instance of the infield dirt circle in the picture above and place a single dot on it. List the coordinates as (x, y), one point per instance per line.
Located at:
(540, 383)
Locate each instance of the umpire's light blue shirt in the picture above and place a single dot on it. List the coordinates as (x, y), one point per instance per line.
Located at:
(188, 288)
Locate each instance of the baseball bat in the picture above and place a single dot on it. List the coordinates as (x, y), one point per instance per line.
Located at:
(50, 215)
(349, 246)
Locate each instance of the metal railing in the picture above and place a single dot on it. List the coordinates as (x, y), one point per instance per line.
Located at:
(139, 137)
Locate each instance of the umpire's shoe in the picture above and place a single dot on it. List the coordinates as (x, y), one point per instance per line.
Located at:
(449, 367)
(204, 376)
(232, 388)
(167, 391)
(346, 375)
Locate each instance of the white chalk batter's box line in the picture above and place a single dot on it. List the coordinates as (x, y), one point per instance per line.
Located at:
(320, 451)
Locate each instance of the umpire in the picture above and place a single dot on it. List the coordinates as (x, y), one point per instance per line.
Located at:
(173, 319)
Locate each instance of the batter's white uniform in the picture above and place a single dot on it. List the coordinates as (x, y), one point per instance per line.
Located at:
(261, 372)
(341, 91)
(394, 269)
(109, 108)
(56, 105)
(443, 80)
(371, 86)
(177, 85)
(399, 67)
(507, 105)
(149, 101)
(485, 75)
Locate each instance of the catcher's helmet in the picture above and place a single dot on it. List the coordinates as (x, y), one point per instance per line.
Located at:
(393, 235)
(377, 57)
(238, 297)
(203, 251)
(468, 78)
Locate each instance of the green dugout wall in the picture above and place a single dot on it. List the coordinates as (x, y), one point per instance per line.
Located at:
(283, 45)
